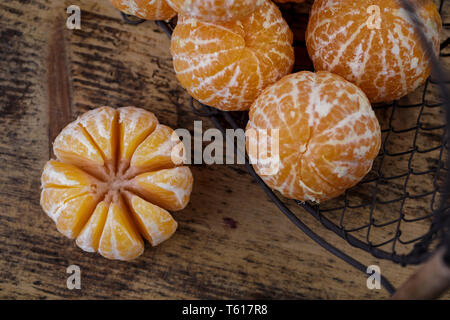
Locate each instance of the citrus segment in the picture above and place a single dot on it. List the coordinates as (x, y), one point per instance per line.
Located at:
(227, 65)
(167, 188)
(154, 223)
(73, 145)
(328, 135)
(155, 152)
(204, 49)
(146, 9)
(89, 237)
(60, 174)
(101, 126)
(120, 239)
(53, 198)
(373, 44)
(72, 215)
(135, 125)
(216, 10)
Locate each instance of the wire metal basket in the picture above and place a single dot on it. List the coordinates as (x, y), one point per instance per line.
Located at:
(407, 190)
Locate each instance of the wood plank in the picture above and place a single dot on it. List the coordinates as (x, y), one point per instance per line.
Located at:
(232, 242)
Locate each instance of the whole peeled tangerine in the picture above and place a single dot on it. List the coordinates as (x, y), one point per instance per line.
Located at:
(227, 65)
(216, 10)
(114, 180)
(146, 9)
(373, 44)
(328, 135)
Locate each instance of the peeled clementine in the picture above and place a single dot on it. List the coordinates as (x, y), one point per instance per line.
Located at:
(114, 180)
(328, 135)
(146, 9)
(227, 65)
(373, 44)
(216, 10)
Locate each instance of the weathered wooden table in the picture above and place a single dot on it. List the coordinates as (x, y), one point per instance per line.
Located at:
(232, 242)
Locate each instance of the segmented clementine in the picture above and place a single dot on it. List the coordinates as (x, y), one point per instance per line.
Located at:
(146, 9)
(216, 10)
(373, 44)
(227, 65)
(114, 180)
(328, 135)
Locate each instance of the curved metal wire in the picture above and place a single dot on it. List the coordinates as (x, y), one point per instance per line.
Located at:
(131, 19)
(214, 115)
(208, 112)
(294, 219)
(421, 249)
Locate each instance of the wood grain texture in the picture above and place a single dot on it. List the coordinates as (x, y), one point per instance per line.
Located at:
(58, 82)
(232, 242)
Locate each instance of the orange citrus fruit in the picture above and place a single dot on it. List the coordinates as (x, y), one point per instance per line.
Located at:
(146, 9)
(216, 10)
(328, 135)
(114, 180)
(227, 65)
(373, 44)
